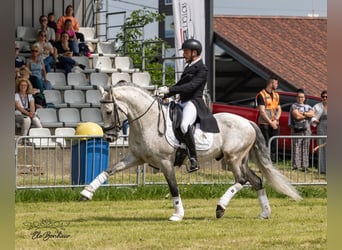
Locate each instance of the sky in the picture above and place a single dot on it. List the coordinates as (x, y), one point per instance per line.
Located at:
(233, 7)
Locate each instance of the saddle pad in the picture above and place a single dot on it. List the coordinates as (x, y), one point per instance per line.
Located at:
(203, 140)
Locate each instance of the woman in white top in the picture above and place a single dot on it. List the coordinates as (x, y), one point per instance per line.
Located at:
(46, 51)
(25, 112)
(321, 121)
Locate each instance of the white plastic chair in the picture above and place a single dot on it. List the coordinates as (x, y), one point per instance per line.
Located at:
(43, 140)
(106, 48)
(58, 80)
(143, 79)
(86, 62)
(100, 79)
(62, 133)
(125, 64)
(48, 117)
(78, 81)
(24, 46)
(75, 98)
(89, 34)
(119, 76)
(91, 115)
(93, 96)
(26, 33)
(69, 116)
(55, 97)
(104, 64)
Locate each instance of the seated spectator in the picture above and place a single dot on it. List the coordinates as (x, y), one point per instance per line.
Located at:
(19, 60)
(51, 21)
(37, 89)
(69, 14)
(49, 32)
(37, 66)
(46, 51)
(25, 111)
(65, 54)
(67, 28)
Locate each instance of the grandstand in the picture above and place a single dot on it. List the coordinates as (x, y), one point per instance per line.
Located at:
(104, 66)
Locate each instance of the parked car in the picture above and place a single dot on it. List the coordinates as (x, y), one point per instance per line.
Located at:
(247, 108)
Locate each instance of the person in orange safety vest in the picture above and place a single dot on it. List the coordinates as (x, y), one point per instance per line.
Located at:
(268, 103)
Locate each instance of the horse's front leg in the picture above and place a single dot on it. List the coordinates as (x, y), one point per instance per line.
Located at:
(127, 162)
(170, 176)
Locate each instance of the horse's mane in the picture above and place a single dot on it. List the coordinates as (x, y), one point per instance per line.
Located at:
(131, 84)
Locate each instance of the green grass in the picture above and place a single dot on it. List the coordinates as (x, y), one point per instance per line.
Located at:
(143, 224)
(154, 192)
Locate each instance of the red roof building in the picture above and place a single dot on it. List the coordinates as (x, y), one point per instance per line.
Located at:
(294, 49)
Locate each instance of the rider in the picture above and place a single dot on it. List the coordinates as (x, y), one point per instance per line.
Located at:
(190, 89)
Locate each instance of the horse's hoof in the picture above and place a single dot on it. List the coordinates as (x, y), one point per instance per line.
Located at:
(219, 211)
(264, 216)
(83, 198)
(176, 217)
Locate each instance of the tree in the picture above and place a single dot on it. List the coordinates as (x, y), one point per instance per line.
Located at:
(146, 54)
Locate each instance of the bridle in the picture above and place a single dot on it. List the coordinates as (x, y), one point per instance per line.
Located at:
(117, 125)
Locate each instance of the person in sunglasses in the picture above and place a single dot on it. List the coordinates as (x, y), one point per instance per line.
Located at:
(50, 33)
(46, 51)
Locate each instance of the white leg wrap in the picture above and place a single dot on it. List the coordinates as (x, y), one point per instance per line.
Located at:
(229, 195)
(179, 210)
(265, 205)
(89, 190)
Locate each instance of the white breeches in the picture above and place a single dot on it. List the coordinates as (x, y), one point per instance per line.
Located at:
(189, 115)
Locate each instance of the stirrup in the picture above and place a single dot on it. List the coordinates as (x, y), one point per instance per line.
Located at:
(194, 165)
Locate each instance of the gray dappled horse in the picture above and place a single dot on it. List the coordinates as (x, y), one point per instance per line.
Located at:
(147, 144)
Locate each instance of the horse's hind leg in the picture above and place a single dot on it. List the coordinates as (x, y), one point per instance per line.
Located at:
(256, 183)
(88, 192)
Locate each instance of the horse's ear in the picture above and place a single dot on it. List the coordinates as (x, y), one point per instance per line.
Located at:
(102, 91)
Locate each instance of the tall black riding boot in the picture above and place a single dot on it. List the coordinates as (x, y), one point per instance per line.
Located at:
(190, 144)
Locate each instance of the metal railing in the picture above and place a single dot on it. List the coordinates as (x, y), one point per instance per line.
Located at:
(284, 159)
(74, 161)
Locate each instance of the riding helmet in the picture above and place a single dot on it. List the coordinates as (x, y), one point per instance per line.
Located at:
(192, 44)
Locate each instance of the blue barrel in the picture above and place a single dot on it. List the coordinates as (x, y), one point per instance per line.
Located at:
(89, 158)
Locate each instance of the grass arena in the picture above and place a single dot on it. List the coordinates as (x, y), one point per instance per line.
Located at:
(135, 218)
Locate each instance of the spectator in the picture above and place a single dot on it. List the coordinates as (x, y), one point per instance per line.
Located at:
(321, 121)
(19, 60)
(46, 51)
(49, 32)
(37, 89)
(69, 14)
(25, 114)
(51, 21)
(67, 28)
(300, 114)
(65, 54)
(269, 113)
(36, 64)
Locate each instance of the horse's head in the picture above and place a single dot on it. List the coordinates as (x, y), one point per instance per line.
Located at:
(113, 114)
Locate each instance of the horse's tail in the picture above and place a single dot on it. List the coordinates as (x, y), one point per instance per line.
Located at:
(263, 160)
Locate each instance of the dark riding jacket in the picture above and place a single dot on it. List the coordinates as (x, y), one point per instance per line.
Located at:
(190, 88)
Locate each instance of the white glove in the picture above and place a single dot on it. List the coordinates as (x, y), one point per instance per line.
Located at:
(162, 91)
